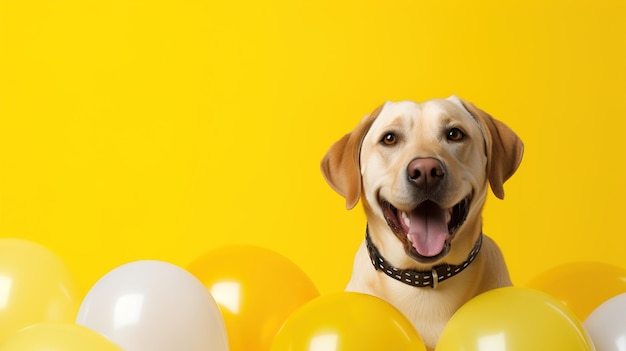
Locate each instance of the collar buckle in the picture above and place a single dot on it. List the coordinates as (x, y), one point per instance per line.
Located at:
(435, 278)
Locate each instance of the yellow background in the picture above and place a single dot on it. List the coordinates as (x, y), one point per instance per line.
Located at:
(163, 129)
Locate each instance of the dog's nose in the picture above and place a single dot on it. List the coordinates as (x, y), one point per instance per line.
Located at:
(426, 173)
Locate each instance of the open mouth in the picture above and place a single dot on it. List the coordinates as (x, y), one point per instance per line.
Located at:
(426, 231)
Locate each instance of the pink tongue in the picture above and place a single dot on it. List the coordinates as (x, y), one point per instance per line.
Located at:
(428, 231)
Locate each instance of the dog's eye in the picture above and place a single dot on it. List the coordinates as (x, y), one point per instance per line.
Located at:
(455, 134)
(389, 139)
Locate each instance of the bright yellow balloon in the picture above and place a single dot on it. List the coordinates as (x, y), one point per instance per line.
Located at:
(57, 337)
(582, 286)
(256, 290)
(514, 319)
(35, 286)
(347, 321)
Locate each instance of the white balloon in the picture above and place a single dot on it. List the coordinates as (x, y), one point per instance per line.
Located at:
(154, 306)
(606, 325)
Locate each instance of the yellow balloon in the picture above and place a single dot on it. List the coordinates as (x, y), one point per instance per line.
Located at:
(35, 286)
(347, 321)
(514, 319)
(582, 286)
(57, 337)
(256, 290)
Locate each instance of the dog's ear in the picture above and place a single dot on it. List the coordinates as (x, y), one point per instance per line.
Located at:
(341, 166)
(504, 148)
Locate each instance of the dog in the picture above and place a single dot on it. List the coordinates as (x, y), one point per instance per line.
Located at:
(422, 172)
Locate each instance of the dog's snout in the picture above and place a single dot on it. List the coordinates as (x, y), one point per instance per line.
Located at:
(426, 173)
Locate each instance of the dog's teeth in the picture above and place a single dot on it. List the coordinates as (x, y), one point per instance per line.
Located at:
(406, 219)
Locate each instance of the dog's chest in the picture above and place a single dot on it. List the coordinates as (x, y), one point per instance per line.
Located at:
(428, 309)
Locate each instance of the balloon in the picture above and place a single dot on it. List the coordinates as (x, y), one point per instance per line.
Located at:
(582, 286)
(347, 321)
(514, 319)
(35, 286)
(57, 337)
(256, 290)
(607, 324)
(154, 306)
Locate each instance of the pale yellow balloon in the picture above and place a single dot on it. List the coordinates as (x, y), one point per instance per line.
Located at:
(514, 319)
(57, 337)
(35, 286)
(347, 321)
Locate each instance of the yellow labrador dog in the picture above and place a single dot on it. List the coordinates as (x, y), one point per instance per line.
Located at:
(422, 172)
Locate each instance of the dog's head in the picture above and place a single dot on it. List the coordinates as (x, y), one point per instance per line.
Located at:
(422, 170)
